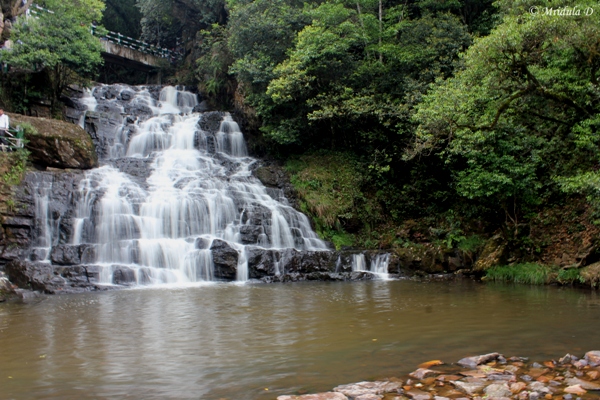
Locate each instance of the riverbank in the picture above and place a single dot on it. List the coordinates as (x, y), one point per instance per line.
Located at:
(488, 376)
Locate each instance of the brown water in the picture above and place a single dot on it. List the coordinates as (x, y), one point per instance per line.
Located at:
(230, 341)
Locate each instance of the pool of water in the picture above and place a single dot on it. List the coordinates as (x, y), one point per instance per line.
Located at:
(227, 341)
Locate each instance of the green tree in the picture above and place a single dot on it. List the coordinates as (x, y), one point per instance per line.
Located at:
(521, 112)
(59, 45)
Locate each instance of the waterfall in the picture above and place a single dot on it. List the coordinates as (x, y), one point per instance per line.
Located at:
(379, 264)
(158, 225)
(359, 263)
(89, 101)
(43, 245)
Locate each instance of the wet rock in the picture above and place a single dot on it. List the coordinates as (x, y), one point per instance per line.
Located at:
(123, 276)
(539, 387)
(469, 388)
(211, 121)
(369, 397)
(566, 359)
(423, 373)
(584, 384)
(417, 394)
(202, 243)
(575, 389)
(372, 388)
(270, 176)
(29, 275)
(498, 390)
(318, 396)
(473, 362)
(64, 254)
(202, 107)
(225, 259)
(593, 358)
(431, 363)
(517, 387)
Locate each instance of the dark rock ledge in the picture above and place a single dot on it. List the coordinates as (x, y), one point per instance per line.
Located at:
(488, 376)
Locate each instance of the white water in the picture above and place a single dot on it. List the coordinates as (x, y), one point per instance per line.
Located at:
(44, 243)
(90, 102)
(379, 265)
(153, 227)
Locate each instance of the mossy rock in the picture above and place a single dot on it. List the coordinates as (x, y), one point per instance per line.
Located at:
(493, 254)
(591, 274)
(58, 144)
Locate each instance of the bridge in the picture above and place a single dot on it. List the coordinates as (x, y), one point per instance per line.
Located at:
(126, 51)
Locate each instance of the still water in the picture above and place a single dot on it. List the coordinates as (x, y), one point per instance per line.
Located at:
(227, 341)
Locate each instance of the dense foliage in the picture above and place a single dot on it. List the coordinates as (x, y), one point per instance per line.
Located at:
(57, 45)
(461, 110)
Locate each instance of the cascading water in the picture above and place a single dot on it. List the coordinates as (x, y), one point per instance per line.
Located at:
(359, 264)
(197, 193)
(379, 264)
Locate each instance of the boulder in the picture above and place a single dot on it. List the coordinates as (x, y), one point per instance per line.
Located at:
(225, 259)
(58, 144)
(473, 362)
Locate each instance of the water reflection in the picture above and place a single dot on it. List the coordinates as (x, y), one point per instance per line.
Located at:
(231, 341)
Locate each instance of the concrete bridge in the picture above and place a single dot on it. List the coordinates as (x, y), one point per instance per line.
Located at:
(127, 51)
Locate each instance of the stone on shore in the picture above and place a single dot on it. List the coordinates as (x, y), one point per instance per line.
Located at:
(361, 388)
(593, 358)
(318, 396)
(473, 362)
(423, 373)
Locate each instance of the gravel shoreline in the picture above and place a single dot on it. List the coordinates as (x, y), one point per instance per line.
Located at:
(486, 377)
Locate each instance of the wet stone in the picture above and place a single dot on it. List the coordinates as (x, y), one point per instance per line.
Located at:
(469, 388)
(417, 394)
(584, 384)
(361, 388)
(473, 362)
(423, 373)
(593, 358)
(498, 390)
(318, 396)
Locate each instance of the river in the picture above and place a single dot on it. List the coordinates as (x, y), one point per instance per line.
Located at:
(235, 341)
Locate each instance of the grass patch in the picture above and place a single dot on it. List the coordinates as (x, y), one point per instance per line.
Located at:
(528, 273)
(570, 276)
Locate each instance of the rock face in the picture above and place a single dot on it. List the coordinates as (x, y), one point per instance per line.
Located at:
(58, 144)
